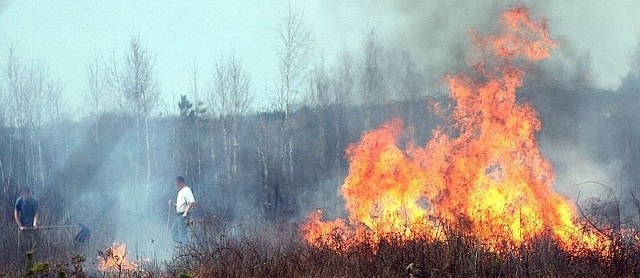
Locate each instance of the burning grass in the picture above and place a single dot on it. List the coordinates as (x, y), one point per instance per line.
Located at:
(483, 171)
(476, 200)
(115, 260)
(276, 250)
(455, 254)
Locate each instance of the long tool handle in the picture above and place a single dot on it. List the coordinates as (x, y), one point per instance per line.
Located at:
(54, 227)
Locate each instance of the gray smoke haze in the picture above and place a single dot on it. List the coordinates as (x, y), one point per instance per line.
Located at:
(112, 197)
(586, 133)
(596, 42)
(433, 32)
(436, 32)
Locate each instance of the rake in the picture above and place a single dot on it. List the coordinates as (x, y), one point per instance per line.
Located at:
(82, 236)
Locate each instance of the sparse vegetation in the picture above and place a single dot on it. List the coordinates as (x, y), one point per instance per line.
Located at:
(458, 255)
(256, 173)
(275, 250)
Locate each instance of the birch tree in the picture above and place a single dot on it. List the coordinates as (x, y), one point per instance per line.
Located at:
(295, 44)
(231, 98)
(34, 98)
(95, 94)
(197, 112)
(132, 78)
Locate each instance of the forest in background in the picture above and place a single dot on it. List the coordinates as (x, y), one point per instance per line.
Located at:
(113, 168)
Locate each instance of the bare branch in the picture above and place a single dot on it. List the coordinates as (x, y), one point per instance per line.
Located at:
(132, 78)
(295, 41)
(231, 95)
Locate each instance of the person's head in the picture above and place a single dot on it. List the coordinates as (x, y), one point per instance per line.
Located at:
(180, 183)
(25, 192)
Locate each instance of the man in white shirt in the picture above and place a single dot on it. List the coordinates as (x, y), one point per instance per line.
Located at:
(184, 204)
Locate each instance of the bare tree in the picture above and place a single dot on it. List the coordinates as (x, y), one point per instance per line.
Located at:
(343, 94)
(54, 103)
(14, 88)
(344, 80)
(199, 110)
(132, 78)
(319, 85)
(267, 149)
(371, 79)
(140, 85)
(295, 42)
(320, 92)
(188, 148)
(35, 100)
(231, 97)
(94, 96)
(343, 89)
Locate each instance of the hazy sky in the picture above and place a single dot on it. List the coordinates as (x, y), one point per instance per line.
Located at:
(63, 33)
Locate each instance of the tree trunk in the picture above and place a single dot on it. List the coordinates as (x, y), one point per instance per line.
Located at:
(40, 164)
(148, 152)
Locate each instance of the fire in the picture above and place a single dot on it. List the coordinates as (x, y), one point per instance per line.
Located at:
(115, 258)
(484, 172)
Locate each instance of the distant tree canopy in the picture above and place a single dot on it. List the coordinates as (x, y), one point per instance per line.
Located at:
(274, 163)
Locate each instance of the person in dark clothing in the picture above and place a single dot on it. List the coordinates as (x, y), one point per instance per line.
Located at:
(26, 216)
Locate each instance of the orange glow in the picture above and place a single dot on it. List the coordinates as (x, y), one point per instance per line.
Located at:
(115, 258)
(484, 172)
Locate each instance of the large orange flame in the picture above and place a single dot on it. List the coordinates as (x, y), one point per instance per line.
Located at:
(484, 172)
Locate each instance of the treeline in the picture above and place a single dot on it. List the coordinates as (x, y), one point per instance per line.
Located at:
(275, 163)
(113, 162)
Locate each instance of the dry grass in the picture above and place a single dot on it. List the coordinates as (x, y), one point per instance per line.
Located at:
(271, 250)
(457, 256)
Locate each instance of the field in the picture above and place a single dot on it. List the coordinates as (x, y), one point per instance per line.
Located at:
(504, 165)
(276, 250)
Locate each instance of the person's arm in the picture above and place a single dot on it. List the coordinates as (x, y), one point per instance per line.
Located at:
(189, 207)
(16, 215)
(35, 217)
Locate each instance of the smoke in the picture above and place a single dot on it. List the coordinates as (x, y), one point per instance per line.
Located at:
(435, 32)
(105, 190)
(589, 133)
(586, 131)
